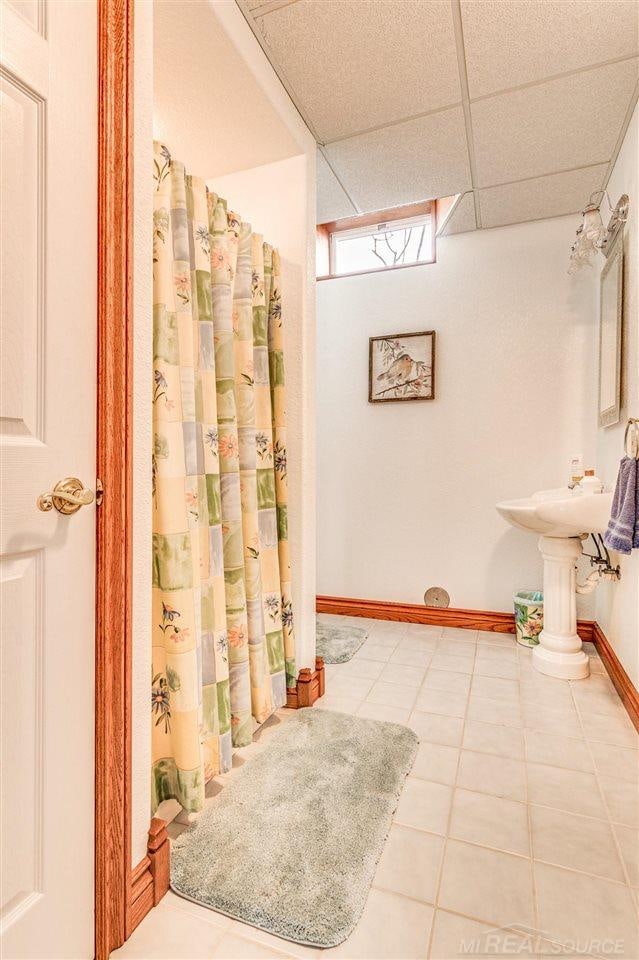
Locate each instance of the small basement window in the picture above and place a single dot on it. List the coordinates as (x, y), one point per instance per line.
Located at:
(379, 241)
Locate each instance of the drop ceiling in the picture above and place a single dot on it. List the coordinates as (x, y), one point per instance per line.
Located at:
(519, 106)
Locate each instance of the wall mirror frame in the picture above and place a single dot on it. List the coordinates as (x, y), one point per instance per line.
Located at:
(611, 333)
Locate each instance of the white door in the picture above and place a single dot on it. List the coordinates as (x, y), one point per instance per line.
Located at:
(48, 77)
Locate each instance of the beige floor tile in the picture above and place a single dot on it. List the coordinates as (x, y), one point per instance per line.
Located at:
(424, 805)
(437, 729)
(330, 619)
(568, 790)
(493, 688)
(457, 938)
(493, 738)
(490, 821)
(486, 884)
(391, 927)
(580, 843)
(609, 729)
(172, 934)
(576, 907)
(400, 673)
(383, 638)
(492, 638)
(622, 799)
(497, 776)
(410, 863)
(505, 654)
(456, 648)
(379, 711)
(539, 689)
(499, 669)
(436, 762)
(628, 839)
(459, 633)
(366, 623)
(411, 658)
(339, 704)
(620, 763)
(369, 669)
(392, 695)
(442, 702)
(373, 651)
(557, 751)
(418, 644)
(561, 720)
(424, 630)
(277, 944)
(232, 947)
(444, 661)
(356, 687)
(494, 711)
(447, 680)
(598, 700)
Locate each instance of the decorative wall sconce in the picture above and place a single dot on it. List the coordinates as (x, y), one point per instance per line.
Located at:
(592, 236)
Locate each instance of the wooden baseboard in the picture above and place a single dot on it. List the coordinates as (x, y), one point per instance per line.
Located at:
(150, 879)
(492, 620)
(310, 687)
(623, 684)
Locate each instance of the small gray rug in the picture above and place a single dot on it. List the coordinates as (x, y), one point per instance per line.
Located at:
(338, 644)
(291, 843)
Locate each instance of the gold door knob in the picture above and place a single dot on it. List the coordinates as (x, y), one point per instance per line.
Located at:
(67, 497)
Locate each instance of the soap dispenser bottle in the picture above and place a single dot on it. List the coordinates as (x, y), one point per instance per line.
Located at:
(590, 483)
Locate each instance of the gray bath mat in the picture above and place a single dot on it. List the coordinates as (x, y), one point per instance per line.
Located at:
(338, 644)
(291, 843)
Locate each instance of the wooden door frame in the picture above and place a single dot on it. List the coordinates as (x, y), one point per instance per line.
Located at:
(114, 468)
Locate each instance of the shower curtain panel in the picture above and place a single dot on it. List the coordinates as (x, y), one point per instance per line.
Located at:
(223, 642)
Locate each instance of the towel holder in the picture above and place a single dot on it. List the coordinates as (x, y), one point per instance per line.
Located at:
(632, 434)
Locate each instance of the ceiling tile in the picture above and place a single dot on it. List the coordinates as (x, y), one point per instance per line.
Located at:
(552, 196)
(416, 160)
(332, 200)
(353, 66)
(462, 218)
(571, 122)
(508, 44)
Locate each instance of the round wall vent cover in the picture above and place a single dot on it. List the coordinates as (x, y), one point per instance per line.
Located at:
(436, 597)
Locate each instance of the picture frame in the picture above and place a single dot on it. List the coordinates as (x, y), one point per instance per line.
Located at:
(611, 334)
(401, 366)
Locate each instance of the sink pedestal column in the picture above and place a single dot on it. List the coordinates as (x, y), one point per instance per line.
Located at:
(559, 653)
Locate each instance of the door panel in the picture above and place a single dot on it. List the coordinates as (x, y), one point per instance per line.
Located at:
(48, 103)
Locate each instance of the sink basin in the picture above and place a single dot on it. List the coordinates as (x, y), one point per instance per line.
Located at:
(559, 513)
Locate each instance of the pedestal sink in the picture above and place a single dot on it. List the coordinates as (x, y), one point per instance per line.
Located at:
(563, 518)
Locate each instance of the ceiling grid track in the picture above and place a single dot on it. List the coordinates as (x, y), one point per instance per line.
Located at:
(463, 81)
(356, 207)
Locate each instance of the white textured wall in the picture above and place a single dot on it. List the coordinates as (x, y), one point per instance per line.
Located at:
(406, 491)
(142, 414)
(275, 198)
(617, 605)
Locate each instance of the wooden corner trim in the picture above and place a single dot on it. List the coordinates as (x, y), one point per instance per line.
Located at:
(492, 620)
(309, 688)
(622, 682)
(114, 468)
(149, 881)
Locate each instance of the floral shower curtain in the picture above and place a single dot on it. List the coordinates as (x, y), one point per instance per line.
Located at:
(223, 641)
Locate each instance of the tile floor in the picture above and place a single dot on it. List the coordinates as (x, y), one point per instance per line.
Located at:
(522, 810)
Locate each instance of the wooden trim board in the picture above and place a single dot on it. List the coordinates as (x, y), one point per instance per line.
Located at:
(623, 684)
(492, 620)
(114, 879)
(149, 881)
(309, 688)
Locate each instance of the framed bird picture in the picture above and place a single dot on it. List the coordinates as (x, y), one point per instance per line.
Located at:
(402, 367)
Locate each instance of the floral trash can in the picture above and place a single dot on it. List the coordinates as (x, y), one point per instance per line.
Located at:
(529, 616)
